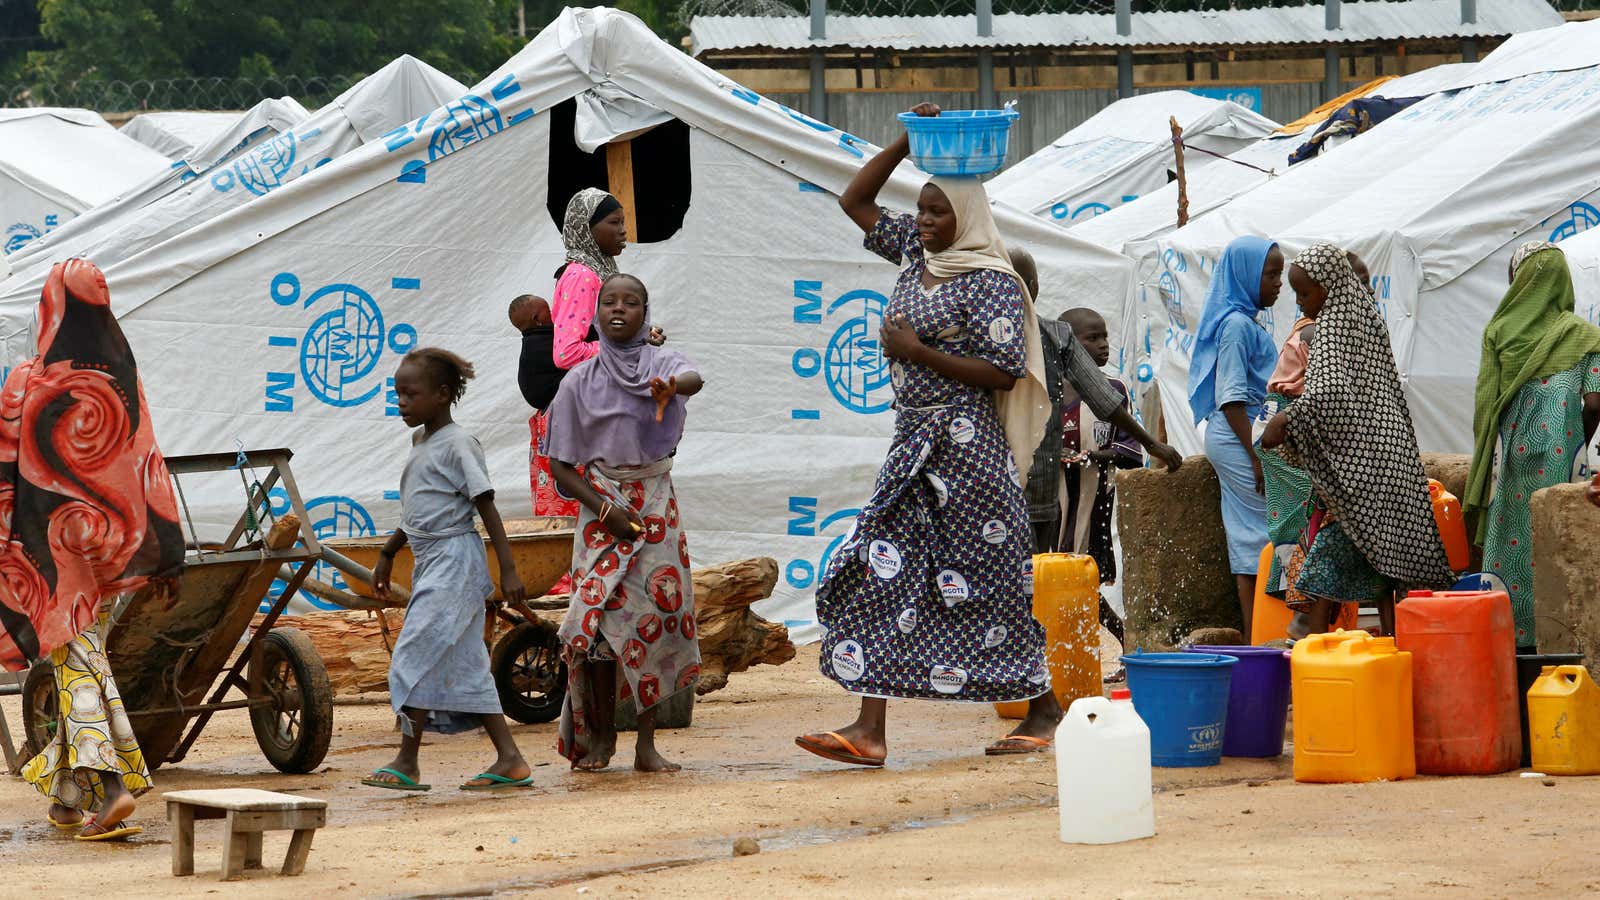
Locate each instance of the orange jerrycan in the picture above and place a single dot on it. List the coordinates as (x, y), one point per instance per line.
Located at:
(1564, 721)
(1352, 708)
(1464, 680)
(1452, 526)
(1269, 617)
(1066, 601)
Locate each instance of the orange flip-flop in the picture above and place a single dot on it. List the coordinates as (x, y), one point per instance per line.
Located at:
(1030, 744)
(849, 753)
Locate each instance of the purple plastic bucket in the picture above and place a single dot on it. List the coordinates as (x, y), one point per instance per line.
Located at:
(1258, 701)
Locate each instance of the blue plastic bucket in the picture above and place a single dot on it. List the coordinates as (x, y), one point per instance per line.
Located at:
(1183, 699)
(1258, 700)
(960, 142)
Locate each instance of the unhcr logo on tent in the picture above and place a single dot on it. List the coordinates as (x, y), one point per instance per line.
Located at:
(1576, 218)
(21, 235)
(456, 125)
(851, 363)
(341, 349)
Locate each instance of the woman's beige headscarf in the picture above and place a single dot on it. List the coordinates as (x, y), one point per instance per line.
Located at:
(1024, 409)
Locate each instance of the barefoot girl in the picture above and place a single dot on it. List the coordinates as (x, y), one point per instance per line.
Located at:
(621, 414)
(928, 598)
(439, 674)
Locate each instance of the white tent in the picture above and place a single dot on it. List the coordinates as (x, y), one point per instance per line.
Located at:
(273, 155)
(1583, 258)
(1123, 152)
(279, 322)
(261, 123)
(176, 135)
(1435, 199)
(56, 163)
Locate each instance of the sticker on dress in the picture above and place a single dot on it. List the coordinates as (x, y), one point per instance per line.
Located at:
(941, 491)
(1012, 470)
(995, 531)
(1040, 674)
(884, 558)
(947, 679)
(849, 661)
(953, 587)
(907, 621)
(897, 375)
(962, 431)
(994, 637)
(923, 452)
(1002, 330)
(1027, 577)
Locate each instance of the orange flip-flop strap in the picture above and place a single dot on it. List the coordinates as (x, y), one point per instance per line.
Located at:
(1027, 739)
(849, 747)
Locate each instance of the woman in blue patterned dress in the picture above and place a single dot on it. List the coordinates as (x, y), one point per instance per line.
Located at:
(930, 595)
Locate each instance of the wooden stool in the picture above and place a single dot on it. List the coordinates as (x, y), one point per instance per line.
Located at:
(249, 813)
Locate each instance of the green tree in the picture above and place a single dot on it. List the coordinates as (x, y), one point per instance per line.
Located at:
(129, 39)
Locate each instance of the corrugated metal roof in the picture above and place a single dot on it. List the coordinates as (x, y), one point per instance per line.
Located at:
(1366, 21)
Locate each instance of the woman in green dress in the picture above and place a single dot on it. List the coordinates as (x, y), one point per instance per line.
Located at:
(1536, 407)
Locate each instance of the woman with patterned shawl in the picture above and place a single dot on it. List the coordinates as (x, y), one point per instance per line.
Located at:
(87, 512)
(1351, 431)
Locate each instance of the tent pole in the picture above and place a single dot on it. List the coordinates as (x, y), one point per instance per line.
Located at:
(1124, 54)
(819, 61)
(619, 175)
(1330, 64)
(986, 55)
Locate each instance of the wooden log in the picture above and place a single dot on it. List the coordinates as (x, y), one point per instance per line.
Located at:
(732, 638)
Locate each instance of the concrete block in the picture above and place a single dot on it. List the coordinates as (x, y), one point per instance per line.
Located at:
(1175, 574)
(1566, 573)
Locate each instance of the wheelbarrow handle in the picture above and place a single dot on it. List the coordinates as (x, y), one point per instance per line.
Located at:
(361, 573)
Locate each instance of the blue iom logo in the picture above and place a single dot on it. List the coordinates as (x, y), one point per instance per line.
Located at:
(1576, 218)
(20, 235)
(342, 347)
(331, 517)
(851, 362)
(269, 166)
(803, 522)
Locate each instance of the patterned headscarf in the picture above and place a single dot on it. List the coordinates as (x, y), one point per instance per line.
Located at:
(577, 232)
(87, 509)
(1523, 252)
(1352, 431)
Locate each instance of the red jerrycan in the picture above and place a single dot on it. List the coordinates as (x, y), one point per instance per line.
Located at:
(1464, 680)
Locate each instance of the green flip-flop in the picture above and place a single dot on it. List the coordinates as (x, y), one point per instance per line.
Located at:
(405, 782)
(496, 782)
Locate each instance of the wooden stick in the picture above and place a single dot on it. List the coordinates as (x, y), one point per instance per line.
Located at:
(1183, 184)
(619, 172)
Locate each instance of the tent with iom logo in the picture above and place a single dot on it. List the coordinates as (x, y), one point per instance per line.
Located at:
(280, 321)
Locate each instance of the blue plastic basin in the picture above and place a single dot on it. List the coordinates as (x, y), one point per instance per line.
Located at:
(960, 142)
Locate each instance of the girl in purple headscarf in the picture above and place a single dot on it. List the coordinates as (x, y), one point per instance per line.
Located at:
(621, 414)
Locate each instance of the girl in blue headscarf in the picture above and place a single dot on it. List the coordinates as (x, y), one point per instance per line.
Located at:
(1233, 358)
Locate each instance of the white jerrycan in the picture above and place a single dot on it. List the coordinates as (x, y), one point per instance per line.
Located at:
(1103, 773)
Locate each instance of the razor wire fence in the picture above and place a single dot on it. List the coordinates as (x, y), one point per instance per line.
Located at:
(776, 8)
(114, 96)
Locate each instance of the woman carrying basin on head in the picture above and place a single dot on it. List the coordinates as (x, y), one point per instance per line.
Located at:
(930, 596)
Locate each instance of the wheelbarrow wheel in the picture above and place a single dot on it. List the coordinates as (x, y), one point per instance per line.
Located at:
(40, 708)
(295, 728)
(529, 673)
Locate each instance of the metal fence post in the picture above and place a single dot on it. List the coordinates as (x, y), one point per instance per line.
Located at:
(1330, 58)
(819, 61)
(1124, 54)
(986, 98)
(1469, 16)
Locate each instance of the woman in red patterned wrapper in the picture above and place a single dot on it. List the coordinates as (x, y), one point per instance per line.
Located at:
(87, 512)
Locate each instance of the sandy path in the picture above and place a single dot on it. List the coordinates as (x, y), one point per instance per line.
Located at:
(937, 821)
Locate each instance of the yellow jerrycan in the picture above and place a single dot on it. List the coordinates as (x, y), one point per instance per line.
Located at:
(1066, 601)
(1564, 721)
(1352, 709)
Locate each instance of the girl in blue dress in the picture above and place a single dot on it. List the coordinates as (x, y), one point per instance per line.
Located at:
(930, 595)
(1232, 360)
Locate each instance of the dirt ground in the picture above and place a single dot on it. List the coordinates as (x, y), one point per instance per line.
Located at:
(940, 820)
